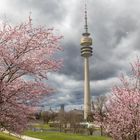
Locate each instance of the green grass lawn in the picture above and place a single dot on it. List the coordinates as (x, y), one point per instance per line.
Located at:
(4, 136)
(45, 126)
(62, 136)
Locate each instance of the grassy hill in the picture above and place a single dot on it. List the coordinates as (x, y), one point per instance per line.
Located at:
(62, 136)
(4, 136)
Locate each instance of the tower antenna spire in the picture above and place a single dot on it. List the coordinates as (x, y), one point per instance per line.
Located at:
(86, 18)
(86, 24)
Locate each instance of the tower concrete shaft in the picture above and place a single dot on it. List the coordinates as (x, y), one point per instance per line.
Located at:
(87, 102)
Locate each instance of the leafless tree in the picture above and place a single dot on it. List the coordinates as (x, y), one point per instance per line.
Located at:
(99, 110)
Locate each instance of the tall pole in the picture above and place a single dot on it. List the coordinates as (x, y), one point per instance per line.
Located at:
(86, 52)
(87, 103)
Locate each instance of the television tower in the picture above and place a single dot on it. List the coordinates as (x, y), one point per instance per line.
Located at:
(86, 52)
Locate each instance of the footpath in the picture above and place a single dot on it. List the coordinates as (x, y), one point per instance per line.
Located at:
(22, 137)
(28, 138)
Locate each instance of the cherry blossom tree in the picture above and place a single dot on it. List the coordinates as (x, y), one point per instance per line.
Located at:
(26, 56)
(122, 120)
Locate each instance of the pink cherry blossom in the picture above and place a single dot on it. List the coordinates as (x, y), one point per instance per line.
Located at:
(26, 56)
(122, 120)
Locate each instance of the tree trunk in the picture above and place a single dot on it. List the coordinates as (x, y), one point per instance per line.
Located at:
(135, 137)
(60, 128)
(101, 127)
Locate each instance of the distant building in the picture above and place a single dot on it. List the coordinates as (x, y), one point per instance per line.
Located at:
(62, 107)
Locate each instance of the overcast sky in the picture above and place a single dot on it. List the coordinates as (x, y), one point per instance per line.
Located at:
(114, 26)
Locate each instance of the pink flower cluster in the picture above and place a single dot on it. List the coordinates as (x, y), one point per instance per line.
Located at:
(26, 56)
(122, 119)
